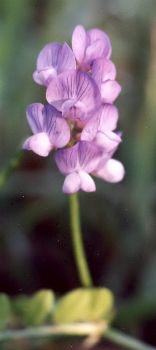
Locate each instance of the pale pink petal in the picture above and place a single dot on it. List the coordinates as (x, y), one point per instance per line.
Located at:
(93, 51)
(108, 140)
(102, 70)
(39, 144)
(71, 183)
(79, 42)
(87, 183)
(113, 171)
(37, 78)
(97, 34)
(110, 91)
(44, 76)
(108, 117)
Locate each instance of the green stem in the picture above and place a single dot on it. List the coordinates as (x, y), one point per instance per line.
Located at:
(78, 247)
(126, 341)
(76, 329)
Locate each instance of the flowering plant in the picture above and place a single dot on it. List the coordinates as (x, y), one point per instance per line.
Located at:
(78, 123)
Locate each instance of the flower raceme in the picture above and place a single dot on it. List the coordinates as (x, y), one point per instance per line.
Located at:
(79, 120)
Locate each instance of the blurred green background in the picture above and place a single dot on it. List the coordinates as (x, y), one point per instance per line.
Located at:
(119, 222)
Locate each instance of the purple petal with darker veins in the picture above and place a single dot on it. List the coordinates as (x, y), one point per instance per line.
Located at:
(67, 159)
(57, 56)
(56, 127)
(62, 89)
(66, 59)
(75, 88)
(35, 117)
(87, 91)
(59, 133)
(82, 156)
(89, 155)
(40, 117)
(53, 59)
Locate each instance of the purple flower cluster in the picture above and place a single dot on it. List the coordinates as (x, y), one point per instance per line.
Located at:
(80, 120)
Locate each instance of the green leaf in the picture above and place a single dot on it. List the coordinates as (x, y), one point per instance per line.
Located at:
(5, 310)
(82, 304)
(35, 310)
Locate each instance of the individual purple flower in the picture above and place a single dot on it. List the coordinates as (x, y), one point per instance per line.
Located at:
(86, 158)
(75, 94)
(104, 73)
(89, 45)
(49, 128)
(76, 163)
(53, 59)
(100, 128)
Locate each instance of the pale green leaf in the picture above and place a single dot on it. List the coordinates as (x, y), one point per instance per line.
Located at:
(81, 305)
(34, 310)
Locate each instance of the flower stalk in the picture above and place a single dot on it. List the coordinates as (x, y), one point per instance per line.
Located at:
(78, 248)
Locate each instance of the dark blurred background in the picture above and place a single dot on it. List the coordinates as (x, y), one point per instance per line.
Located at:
(118, 221)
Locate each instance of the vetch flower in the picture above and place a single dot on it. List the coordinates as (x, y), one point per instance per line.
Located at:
(76, 163)
(104, 73)
(89, 45)
(100, 128)
(75, 94)
(53, 59)
(49, 128)
(86, 158)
